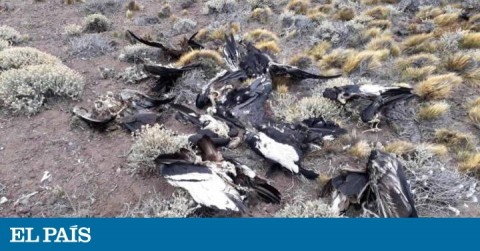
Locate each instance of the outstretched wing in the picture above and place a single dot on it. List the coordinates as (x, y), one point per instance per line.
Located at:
(295, 73)
(172, 52)
(205, 186)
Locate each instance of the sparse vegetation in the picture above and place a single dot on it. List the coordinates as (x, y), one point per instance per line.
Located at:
(89, 46)
(432, 111)
(400, 147)
(96, 23)
(18, 57)
(150, 142)
(361, 149)
(470, 40)
(454, 139)
(25, 90)
(184, 25)
(219, 6)
(438, 189)
(306, 209)
(73, 30)
(180, 205)
(103, 6)
(430, 45)
(137, 52)
(437, 87)
(474, 112)
(10, 35)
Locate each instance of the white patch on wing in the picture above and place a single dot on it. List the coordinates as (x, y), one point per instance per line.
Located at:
(215, 125)
(192, 176)
(372, 89)
(211, 191)
(283, 154)
(247, 171)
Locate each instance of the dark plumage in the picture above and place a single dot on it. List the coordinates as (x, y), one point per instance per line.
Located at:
(141, 118)
(254, 63)
(379, 98)
(295, 73)
(167, 75)
(186, 45)
(381, 188)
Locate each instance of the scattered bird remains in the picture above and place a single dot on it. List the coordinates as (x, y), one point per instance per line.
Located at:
(276, 107)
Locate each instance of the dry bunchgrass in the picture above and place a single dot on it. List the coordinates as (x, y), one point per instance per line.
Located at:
(335, 59)
(418, 60)
(474, 112)
(460, 62)
(361, 149)
(437, 87)
(382, 24)
(454, 139)
(152, 141)
(446, 19)
(26, 89)
(197, 56)
(474, 115)
(371, 33)
(322, 8)
(470, 163)
(261, 15)
(437, 149)
(400, 147)
(210, 61)
(366, 61)
(429, 12)
(419, 43)
(271, 47)
(344, 14)
(319, 50)
(301, 61)
(417, 67)
(416, 74)
(432, 111)
(378, 12)
(299, 6)
(260, 35)
(384, 42)
(316, 16)
(466, 66)
(18, 57)
(474, 23)
(470, 41)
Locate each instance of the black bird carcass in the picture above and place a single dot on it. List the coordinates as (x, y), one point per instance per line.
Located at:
(380, 189)
(185, 45)
(378, 98)
(286, 144)
(212, 181)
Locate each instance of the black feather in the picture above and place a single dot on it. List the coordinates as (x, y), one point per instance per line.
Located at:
(311, 175)
(268, 193)
(295, 73)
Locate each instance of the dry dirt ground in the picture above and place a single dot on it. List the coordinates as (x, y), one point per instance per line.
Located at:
(89, 173)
